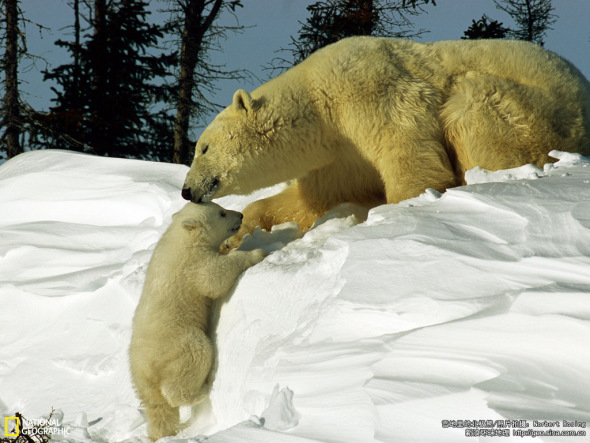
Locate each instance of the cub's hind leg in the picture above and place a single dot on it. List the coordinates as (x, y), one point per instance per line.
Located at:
(162, 419)
(184, 378)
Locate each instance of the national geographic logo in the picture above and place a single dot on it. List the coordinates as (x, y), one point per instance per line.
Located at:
(12, 431)
(18, 425)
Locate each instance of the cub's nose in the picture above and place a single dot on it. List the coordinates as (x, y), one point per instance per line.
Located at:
(186, 193)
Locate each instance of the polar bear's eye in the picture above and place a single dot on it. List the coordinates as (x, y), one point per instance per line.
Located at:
(222, 214)
(205, 149)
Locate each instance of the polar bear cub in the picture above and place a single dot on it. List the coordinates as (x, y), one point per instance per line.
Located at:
(170, 353)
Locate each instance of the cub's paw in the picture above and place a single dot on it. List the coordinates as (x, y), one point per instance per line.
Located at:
(233, 242)
(258, 255)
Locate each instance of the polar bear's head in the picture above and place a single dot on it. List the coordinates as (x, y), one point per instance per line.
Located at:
(224, 155)
(207, 223)
(252, 144)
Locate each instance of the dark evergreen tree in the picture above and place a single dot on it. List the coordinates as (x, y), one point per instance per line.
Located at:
(16, 116)
(483, 28)
(333, 20)
(66, 125)
(194, 22)
(10, 111)
(532, 17)
(112, 99)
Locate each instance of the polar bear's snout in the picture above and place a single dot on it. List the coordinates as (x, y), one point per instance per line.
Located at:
(202, 193)
(186, 193)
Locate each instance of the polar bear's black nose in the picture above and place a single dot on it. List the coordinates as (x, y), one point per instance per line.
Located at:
(186, 193)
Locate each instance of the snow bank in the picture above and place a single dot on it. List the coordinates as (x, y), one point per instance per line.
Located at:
(371, 327)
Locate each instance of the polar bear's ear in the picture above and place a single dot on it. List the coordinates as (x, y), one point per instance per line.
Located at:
(242, 101)
(191, 225)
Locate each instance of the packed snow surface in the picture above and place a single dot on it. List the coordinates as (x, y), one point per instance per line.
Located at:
(470, 305)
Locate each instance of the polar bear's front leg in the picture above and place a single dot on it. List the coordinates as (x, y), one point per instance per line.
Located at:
(415, 165)
(287, 206)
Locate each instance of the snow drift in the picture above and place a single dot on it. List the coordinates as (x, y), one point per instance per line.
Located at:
(386, 326)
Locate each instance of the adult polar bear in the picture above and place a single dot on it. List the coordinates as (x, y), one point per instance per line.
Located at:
(373, 120)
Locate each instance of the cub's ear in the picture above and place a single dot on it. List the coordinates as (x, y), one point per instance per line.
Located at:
(191, 225)
(242, 101)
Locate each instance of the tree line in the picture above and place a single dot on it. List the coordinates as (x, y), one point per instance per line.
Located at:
(134, 89)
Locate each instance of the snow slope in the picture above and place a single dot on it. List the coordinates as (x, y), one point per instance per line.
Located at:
(473, 305)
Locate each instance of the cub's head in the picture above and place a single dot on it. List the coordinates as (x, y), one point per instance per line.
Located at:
(207, 223)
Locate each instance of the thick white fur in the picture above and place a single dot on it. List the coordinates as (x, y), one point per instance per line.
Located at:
(375, 120)
(170, 353)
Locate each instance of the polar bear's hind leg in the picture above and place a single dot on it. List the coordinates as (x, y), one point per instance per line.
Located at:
(498, 124)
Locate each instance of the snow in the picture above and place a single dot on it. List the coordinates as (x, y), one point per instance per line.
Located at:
(470, 305)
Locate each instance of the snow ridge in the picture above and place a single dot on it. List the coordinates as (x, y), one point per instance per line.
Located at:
(472, 304)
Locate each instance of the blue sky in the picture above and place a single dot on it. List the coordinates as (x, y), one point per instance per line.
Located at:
(273, 22)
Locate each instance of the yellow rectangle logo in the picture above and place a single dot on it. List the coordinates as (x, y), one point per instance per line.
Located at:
(17, 430)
